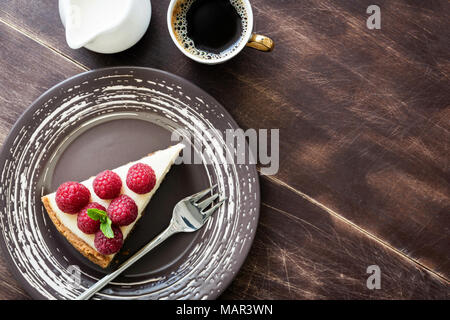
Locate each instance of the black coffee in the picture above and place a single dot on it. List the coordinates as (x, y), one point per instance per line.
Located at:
(210, 28)
(213, 25)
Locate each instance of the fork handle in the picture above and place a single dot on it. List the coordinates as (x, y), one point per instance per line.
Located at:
(148, 247)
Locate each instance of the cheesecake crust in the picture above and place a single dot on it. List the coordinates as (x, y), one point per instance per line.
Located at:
(85, 249)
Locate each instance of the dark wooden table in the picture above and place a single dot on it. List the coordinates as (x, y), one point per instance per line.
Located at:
(364, 123)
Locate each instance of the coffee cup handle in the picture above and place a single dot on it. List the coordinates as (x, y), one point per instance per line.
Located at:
(260, 42)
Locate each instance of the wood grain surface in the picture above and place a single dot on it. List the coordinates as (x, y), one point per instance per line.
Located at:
(364, 123)
(302, 252)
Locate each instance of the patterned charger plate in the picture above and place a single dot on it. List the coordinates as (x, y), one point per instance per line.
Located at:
(99, 120)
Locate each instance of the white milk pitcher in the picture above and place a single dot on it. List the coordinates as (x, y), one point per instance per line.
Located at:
(105, 26)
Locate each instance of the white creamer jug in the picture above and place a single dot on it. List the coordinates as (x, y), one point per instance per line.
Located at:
(105, 26)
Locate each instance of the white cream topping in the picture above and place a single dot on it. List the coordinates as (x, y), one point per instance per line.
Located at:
(160, 161)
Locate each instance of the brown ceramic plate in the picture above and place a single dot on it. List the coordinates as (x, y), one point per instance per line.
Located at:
(102, 119)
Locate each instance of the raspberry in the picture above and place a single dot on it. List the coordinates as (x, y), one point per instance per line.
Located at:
(72, 196)
(122, 210)
(107, 185)
(85, 223)
(107, 246)
(141, 178)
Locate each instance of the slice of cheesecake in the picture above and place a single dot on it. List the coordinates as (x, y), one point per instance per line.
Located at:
(66, 223)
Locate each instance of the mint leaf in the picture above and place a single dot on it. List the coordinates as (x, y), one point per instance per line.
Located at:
(96, 214)
(105, 222)
(106, 228)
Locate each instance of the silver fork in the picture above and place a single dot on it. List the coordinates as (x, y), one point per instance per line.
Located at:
(189, 215)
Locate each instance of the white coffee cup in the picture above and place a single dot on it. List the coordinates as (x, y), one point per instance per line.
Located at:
(248, 38)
